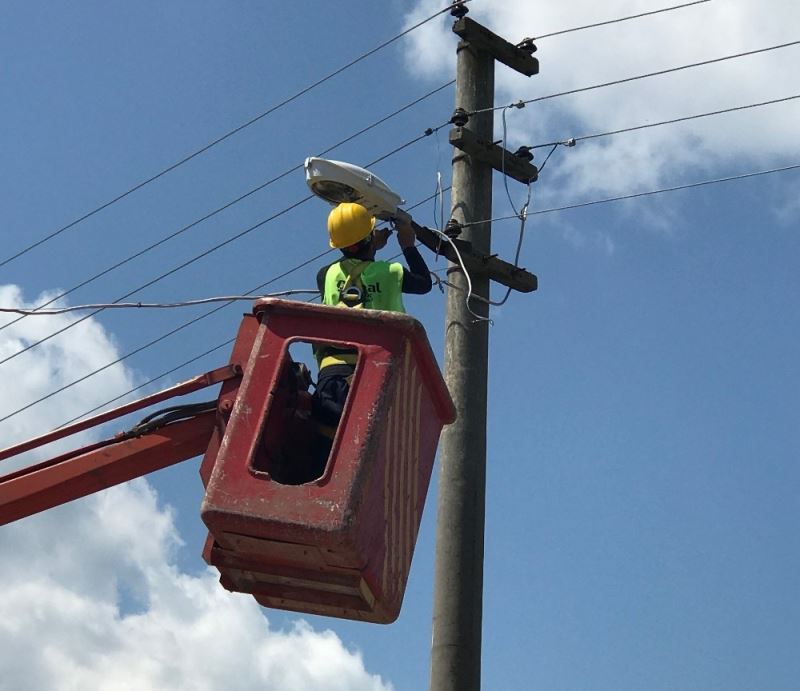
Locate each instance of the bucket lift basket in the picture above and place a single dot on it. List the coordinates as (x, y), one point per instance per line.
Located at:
(340, 544)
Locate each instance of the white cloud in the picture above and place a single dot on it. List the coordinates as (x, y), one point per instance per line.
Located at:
(787, 207)
(725, 144)
(92, 597)
(51, 365)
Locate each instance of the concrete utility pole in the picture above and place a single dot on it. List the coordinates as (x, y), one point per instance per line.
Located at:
(458, 587)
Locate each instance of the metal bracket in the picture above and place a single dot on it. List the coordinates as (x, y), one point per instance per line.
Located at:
(496, 269)
(490, 153)
(479, 36)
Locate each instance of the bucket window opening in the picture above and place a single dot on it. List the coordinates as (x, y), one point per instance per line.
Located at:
(303, 412)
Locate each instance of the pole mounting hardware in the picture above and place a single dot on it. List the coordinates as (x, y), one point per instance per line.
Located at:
(460, 117)
(525, 153)
(458, 10)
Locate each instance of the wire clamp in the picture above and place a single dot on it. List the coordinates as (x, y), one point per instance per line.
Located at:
(527, 45)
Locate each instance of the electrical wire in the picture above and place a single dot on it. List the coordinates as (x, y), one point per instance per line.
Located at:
(165, 336)
(151, 305)
(438, 201)
(158, 278)
(574, 140)
(503, 158)
(555, 146)
(203, 254)
(440, 281)
(522, 214)
(648, 193)
(621, 19)
(241, 198)
(467, 277)
(521, 103)
(602, 201)
(523, 217)
(279, 105)
(469, 293)
(283, 174)
(228, 134)
(147, 383)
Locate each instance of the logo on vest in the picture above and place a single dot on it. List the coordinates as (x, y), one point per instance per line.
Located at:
(370, 287)
(357, 294)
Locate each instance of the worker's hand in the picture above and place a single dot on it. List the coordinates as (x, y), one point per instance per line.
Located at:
(381, 237)
(406, 237)
(401, 215)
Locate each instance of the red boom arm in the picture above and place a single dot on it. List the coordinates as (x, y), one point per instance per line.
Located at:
(98, 466)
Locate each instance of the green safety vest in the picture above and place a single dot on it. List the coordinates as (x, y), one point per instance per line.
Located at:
(380, 284)
(373, 285)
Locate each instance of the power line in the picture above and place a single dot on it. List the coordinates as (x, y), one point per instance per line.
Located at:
(649, 193)
(229, 341)
(106, 366)
(159, 278)
(621, 19)
(227, 135)
(430, 131)
(676, 188)
(197, 357)
(521, 104)
(165, 336)
(667, 122)
(147, 383)
(241, 198)
(451, 82)
(114, 362)
(297, 95)
(198, 257)
(597, 24)
(531, 213)
(289, 171)
(147, 305)
(362, 131)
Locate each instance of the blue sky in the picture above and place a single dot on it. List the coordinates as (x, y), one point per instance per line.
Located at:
(642, 466)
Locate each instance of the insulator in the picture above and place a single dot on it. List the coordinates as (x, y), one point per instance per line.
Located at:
(524, 152)
(459, 10)
(528, 46)
(453, 228)
(460, 117)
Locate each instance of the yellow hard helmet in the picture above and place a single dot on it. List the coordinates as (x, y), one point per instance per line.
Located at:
(349, 223)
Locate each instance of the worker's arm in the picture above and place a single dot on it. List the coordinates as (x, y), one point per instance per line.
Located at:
(321, 280)
(417, 277)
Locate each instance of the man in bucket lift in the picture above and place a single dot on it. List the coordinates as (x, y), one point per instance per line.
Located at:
(358, 280)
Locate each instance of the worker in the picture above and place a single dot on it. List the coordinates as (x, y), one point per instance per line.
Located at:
(358, 280)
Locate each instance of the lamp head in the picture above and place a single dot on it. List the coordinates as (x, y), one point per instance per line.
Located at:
(337, 181)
